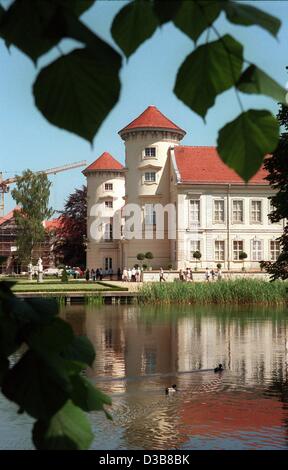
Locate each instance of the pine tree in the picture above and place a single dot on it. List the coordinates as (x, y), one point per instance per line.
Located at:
(32, 196)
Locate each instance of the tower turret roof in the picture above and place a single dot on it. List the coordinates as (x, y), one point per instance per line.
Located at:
(104, 163)
(152, 118)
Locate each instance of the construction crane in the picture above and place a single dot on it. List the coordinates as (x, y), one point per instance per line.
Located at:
(4, 184)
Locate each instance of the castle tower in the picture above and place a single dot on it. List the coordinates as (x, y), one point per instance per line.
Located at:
(147, 179)
(106, 188)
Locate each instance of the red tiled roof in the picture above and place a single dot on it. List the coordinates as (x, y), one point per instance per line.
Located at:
(52, 224)
(6, 217)
(48, 224)
(104, 162)
(9, 215)
(203, 165)
(152, 118)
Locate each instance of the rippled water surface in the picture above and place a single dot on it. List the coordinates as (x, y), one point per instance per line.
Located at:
(142, 350)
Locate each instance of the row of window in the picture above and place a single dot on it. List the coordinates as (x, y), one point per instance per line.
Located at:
(256, 211)
(257, 249)
(149, 177)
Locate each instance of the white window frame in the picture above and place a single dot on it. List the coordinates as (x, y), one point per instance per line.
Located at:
(219, 251)
(238, 250)
(110, 188)
(149, 215)
(108, 263)
(259, 201)
(108, 232)
(151, 149)
(149, 180)
(232, 210)
(273, 251)
(193, 221)
(215, 201)
(108, 204)
(256, 252)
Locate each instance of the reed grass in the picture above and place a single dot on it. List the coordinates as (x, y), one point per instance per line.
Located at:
(94, 299)
(238, 291)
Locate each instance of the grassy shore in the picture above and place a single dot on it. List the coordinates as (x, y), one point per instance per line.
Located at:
(239, 291)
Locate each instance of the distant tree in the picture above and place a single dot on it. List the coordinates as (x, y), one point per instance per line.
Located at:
(71, 235)
(149, 255)
(277, 166)
(140, 257)
(32, 196)
(64, 276)
(197, 255)
(243, 256)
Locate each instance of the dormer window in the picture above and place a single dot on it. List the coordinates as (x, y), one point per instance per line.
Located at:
(150, 152)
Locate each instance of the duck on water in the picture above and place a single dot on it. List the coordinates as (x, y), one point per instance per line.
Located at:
(170, 390)
(219, 368)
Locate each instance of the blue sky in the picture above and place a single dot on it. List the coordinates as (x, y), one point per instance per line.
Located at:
(29, 141)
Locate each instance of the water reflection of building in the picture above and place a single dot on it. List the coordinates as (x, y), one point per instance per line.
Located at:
(126, 347)
(251, 351)
(133, 341)
(130, 343)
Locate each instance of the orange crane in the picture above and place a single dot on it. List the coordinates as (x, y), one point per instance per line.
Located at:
(4, 184)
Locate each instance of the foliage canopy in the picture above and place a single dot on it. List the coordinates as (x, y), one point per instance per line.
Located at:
(78, 90)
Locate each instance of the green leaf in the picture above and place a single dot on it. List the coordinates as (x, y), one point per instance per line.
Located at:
(166, 10)
(24, 23)
(4, 367)
(77, 91)
(36, 26)
(33, 387)
(135, 23)
(67, 430)
(255, 80)
(244, 142)
(9, 331)
(247, 15)
(207, 72)
(81, 349)
(46, 308)
(86, 396)
(195, 17)
(54, 337)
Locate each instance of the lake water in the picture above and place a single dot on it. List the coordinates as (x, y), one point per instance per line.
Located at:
(142, 350)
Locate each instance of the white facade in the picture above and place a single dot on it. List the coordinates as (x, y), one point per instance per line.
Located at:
(218, 218)
(220, 234)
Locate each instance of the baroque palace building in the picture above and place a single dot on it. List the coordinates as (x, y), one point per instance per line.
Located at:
(215, 212)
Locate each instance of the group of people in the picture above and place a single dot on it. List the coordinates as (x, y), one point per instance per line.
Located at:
(186, 274)
(134, 274)
(211, 275)
(99, 273)
(131, 275)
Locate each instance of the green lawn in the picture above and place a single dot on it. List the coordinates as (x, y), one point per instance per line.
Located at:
(58, 286)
